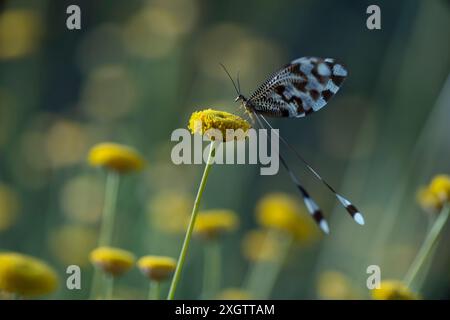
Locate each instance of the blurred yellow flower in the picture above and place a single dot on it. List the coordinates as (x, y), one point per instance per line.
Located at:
(212, 223)
(66, 143)
(203, 122)
(20, 31)
(428, 200)
(334, 285)
(283, 212)
(112, 261)
(157, 268)
(9, 207)
(393, 290)
(257, 246)
(115, 157)
(169, 211)
(71, 244)
(81, 198)
(433, 197)
(234, 294)
(26, 276)
(440, 186)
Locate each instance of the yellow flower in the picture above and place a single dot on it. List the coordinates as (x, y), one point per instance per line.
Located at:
(26, 276)
(283, 212)
(9, 207)
(113, 261)
(393, 290)
(20, 32)
(256, 246)
(71, 244)
(169, 211)
(334, 285)
(428, 200)
(440, 186)
(212, 223)
(211, 122)
(157, 268)
(115, 157)
(234, 294)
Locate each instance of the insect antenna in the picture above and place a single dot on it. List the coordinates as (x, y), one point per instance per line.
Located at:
(310, 204)
(238, 91)
(351, 209)
(238, 82)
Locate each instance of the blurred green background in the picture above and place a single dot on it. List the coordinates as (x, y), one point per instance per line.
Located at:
(136, 71)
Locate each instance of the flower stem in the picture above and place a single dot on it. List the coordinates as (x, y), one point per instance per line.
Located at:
(427, 247)
(154, 290)
(270, 277)
(107, 223)
(109, 208)
(211, 271)
(109, 287)
(187, 239)
(264, 273)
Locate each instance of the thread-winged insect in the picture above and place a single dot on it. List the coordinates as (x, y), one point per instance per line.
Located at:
(298, 89)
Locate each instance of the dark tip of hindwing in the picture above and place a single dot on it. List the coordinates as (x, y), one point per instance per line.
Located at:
(351, 209)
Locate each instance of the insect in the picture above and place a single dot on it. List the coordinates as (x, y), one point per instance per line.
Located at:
(300, 88)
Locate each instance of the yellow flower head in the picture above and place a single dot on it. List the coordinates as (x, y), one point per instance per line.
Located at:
(213, 123)
(440, 186)
(334, 285)
(429, 201)
(393, 290)
(157, 268)
(115, 157)
(256, 246)
(25, 275)
(234, 294)
(283, 212)
(212, 223)
(113, 261)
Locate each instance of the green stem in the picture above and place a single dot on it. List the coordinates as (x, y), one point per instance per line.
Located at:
(107, 224)
(154, 290)
(263, 274)
(212, 269)
(270, 277)
(109, 287)
(108, 216)
(187, 239)
(427, 246)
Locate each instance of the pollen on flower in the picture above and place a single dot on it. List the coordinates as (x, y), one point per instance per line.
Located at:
(25, 275)
(157, 268)
(116, 157)
(393, 290)
(212, 223)
(112, 261)
(212, 123)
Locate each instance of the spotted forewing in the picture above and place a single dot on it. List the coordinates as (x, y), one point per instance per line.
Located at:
(300, 88)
